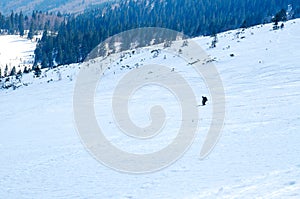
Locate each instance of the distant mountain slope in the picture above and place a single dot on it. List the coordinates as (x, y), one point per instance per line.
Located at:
(66, 6)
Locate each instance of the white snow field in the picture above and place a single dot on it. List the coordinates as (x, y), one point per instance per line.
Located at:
(257, 156)
(16, 51)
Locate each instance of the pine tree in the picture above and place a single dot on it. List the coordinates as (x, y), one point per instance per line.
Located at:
(214, 41)
(13, 71)
(19, 75)
(31, 31)
(280, 16)
(59, 14)
(21, 24)
(11, 23)
(37, 71)
(34, 15)
(6, 71)
(26, 70)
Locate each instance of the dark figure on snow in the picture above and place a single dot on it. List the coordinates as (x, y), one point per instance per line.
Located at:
(204, 100)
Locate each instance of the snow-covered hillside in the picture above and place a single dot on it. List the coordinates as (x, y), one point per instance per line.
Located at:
(16, 52)
(257, 155)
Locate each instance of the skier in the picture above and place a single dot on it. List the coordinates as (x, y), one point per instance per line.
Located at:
(204, 100)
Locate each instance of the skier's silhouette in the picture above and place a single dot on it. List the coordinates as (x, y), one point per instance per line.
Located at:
(204, 100)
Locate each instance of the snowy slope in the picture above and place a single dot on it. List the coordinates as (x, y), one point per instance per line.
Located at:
(257, 156)
(16, 51)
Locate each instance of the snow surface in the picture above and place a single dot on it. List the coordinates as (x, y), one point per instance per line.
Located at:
(257, 156)
(16, 51)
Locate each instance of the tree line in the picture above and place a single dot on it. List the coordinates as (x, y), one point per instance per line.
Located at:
(17, 23)
(78, 35)
(69, 38)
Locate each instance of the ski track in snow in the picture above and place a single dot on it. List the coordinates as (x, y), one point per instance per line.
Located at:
(257, 155)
